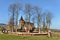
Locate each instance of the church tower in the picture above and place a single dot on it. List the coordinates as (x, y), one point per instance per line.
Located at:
(21, 23)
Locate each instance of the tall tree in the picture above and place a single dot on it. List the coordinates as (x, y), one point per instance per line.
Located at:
(18, 8)
(38, 11)
(48, 19)
(11, 24)
(44, 21)
(14, 8)
(28, 12)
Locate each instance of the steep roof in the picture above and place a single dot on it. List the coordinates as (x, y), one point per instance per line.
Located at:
(21, 18)
(29, 23)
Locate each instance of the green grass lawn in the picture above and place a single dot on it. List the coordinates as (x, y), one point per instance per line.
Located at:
(14, 37)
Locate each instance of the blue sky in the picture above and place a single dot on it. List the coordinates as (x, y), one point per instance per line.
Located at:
(50, 5)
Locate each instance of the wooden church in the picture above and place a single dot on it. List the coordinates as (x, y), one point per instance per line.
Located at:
(25, 26)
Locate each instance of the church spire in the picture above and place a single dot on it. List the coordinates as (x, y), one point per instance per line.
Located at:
(21, 18)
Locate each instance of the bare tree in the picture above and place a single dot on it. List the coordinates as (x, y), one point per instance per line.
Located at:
(11, 24)
(14, 8)
(38, 11)
(48, 19)
(44, 21)
(18, 8)
(28, 12)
